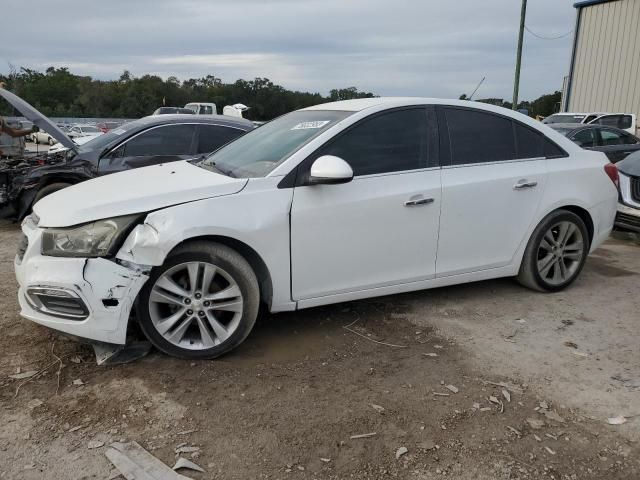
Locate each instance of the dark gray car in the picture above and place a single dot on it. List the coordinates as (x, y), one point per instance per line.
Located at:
(148, 141)
(616, 144)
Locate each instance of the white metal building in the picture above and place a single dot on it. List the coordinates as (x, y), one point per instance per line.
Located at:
(604, 75)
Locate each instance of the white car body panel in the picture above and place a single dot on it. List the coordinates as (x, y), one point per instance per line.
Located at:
(347, 241)
(481, 198)
(133, 191)
(335, 248)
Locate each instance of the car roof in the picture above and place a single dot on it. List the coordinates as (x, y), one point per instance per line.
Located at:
(187, 117)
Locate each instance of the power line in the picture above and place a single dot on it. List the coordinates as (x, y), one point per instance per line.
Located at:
(548, 38)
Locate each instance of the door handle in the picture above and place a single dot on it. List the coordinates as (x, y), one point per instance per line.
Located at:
(522, 184)
(418, 201)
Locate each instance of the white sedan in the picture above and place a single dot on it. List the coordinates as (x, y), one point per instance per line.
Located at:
(327, 204)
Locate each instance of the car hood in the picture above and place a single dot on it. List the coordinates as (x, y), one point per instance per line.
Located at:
(133, 191)
(631, 165)
(37, 118)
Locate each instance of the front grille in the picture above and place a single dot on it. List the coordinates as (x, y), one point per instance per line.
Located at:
(23, 243)
(57, 302)
(628, 222)
(635, 189)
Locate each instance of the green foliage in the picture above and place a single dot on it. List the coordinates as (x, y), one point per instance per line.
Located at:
(59, 93)
(544, 105)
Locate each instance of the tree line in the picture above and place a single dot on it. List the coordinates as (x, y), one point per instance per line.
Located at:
(57, 92)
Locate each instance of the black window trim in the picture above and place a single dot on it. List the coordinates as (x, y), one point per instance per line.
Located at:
(445, 140)
(298, 175)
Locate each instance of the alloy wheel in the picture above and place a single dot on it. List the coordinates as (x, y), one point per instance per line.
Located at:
(195, 305)
(560, 253)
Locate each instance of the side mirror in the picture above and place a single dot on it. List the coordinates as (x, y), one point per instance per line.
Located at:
(328, 169)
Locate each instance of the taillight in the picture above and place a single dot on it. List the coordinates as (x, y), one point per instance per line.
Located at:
(612, 172)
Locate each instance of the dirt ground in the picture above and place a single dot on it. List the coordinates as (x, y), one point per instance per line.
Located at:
(286, 404)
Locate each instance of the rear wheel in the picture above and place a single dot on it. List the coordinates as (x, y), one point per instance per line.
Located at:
(556, 252)
(201, 303)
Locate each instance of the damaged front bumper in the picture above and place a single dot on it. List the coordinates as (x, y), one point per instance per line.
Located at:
(89, 298)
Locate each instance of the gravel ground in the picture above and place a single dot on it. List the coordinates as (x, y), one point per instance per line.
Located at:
(485, 381)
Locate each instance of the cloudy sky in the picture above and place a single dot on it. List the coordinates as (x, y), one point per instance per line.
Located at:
(438, 48)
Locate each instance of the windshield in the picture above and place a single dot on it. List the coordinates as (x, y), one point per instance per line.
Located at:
(564, 119)
(102, 141)
(91, 130)
(258, 152)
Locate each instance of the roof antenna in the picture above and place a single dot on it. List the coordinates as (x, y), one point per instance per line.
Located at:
(474, 92)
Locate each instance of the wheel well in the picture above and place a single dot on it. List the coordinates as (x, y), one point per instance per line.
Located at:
(584, 215)
(254, 259)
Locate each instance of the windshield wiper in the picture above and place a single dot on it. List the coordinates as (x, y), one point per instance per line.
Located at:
(212, 166)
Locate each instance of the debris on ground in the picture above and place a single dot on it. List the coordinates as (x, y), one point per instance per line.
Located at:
(363, 435)
(619, 420)
(183, 449)
(401, 451)
(452, 388)
(571, 344)
(93, 444)
(430, 354)
(506, 395)
(135, 463)
(23, 375)
(325, 460)
(184, 463)
(78, 382)
(35, 403)
(377, 408)
(535, 423)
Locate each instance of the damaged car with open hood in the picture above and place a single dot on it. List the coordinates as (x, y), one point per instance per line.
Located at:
(331, 203)
(148, 141)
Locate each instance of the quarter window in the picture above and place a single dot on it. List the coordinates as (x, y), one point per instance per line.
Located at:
(478, 137)
(166, 140)
(212, 137)
(528, 142)
(389, 142)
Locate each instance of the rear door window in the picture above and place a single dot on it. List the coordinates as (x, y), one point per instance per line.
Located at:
(164, 140)
(585, 138)
(212, 137)
(479, 137)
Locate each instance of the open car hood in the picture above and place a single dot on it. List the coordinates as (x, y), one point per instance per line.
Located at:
(139, 190)
(37, 118)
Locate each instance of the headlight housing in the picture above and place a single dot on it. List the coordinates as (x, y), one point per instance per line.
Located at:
(96, 239)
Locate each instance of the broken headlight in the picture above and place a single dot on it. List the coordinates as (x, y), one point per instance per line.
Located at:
(95, 239)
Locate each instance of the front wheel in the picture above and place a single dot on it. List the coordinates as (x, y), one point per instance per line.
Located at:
(556, 252)
(51, 142)
(201, 303)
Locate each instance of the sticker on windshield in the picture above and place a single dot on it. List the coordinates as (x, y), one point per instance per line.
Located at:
(118, 131)
(308, 125)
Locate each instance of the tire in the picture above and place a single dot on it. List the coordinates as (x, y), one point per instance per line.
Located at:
(51, 142)
(556, 252)
(48, 190)
(181, 324)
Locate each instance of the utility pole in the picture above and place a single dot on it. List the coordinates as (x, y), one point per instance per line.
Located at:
(516, 82)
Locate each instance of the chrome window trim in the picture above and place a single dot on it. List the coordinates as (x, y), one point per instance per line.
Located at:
(496, 162)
